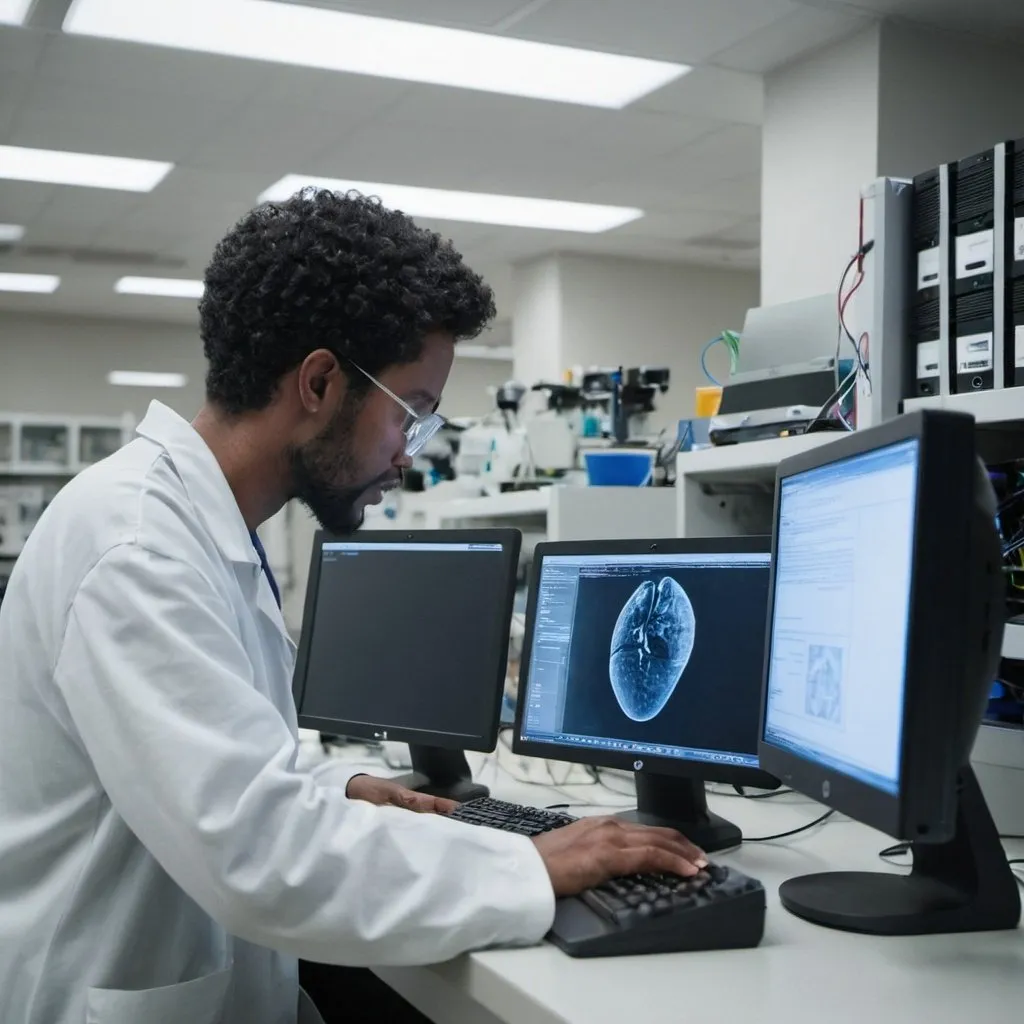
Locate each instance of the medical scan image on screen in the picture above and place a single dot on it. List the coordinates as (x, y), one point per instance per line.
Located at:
(657, 654)
(839, 627)
(651, 644)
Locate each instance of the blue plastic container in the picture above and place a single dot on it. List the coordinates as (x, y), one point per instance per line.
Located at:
(617, 467)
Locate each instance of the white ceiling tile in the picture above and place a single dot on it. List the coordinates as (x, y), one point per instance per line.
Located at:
(679, 225)
(122, 122)
(22, 201)
(741, 196)
(802, 31)
(298, 92)
(474, 14)
(687, 31)
(711, 92)
(86, 208)
(20, 51)
(104, 64)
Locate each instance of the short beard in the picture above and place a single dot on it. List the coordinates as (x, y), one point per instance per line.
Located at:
(315, 465)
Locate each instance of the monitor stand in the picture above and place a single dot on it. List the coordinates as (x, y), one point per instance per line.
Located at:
(964, 885)
(440, 772)
(669, 801)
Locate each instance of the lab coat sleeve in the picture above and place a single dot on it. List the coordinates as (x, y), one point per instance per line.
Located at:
(202, 769)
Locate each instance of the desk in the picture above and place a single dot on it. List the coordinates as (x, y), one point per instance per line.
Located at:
(800, 974)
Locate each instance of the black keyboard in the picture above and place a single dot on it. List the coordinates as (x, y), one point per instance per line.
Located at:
(523, 821)
(719, 908)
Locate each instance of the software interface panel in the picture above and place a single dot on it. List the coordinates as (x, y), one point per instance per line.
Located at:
(840, 623)
(658, 654)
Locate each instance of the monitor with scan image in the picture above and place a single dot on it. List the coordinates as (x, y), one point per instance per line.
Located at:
(647, 656)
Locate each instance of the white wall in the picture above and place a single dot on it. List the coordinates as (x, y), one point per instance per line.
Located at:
(627, 312)
(57, 364)
(944, 97)
(820, 145)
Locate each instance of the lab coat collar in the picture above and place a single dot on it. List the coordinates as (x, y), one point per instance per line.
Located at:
(203, 479)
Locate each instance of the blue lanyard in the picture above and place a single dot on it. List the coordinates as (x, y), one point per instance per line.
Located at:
(256, 543)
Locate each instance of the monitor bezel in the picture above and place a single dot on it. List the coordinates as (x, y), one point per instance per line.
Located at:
(700, 770)
(510, 541)
(924, 806)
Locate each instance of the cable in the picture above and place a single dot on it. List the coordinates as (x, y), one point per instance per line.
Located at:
(899, 850)
(703, 363)
(740, 791)
(792, 832)
(829, 402)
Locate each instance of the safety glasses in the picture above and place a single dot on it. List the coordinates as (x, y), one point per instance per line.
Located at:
(418, 428)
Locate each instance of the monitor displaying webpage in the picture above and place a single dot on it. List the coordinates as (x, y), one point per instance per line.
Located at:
(844, 564)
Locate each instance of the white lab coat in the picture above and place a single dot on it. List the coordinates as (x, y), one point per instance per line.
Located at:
(162, 860)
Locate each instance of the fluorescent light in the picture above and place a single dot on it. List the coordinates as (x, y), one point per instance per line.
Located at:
(363, 45)
(173, 287)
(475, 207)
(12, 12)
(42, 284)
(484, 351)
(11, 233)
(54, 167)
(144, 379)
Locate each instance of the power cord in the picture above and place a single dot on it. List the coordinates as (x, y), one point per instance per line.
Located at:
(792, 832)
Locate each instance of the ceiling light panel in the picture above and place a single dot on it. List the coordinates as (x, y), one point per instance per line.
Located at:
(169, 287)
(12, 12)
(40, 284)
(381, 47)
(11, 233)
(54, 167)
(145, 379)
(471, 207)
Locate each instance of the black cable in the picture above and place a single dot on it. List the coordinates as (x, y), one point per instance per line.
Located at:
(836, 395)
(740, 791)
(791, 832)
(899, 850)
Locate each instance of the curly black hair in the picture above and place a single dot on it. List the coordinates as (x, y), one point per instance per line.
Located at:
(328, 270)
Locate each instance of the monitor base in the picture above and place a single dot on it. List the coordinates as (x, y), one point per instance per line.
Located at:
(666, 801)
(440, 772)
(964, 885)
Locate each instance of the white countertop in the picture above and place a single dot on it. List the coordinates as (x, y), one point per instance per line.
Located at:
(800, 974)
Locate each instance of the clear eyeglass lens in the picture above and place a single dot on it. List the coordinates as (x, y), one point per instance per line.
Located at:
(421, 431)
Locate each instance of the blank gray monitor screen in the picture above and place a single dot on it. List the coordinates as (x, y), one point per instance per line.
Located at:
(408, 636)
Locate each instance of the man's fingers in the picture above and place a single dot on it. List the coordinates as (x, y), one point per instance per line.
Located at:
(442, 806)
(636, 860)
(671, 840)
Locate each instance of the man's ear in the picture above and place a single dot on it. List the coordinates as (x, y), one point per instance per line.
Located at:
(320, 381)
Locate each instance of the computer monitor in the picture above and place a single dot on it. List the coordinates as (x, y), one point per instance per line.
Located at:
(648, 656)
(884, 636)
(405, 637)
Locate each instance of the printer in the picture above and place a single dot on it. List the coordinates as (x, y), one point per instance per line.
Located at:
(785, 372)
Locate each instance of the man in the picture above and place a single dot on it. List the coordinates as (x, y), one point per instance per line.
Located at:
(162, 858)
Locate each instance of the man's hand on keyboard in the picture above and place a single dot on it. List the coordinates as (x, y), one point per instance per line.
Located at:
(385, 792)
(593, 850)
